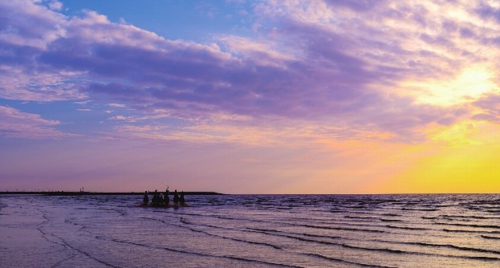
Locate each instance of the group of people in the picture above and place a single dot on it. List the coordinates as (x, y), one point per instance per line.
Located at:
(163, 199)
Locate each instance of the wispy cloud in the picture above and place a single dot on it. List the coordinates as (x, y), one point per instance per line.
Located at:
(116, 105)
(83, 103)
(17, 124)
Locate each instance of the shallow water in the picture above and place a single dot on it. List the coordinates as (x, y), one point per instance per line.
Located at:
(252, 231)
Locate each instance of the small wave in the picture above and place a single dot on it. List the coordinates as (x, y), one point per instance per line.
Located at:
(342, 228)
(490, 237)
(323, 236)
(359, 217)
(396, 251)
(481, 258)
(337, 211)
(346, 261)
(262, 262)
(469, 225)
(281, 234)
(493, 210)
(456, 247)
(387, 250)
(391, 215)
(356, 207)
(421, 209)
(264, 230)
(470, 231)
(391, 220)
(407, 228)
(236, 239)
(471, 217)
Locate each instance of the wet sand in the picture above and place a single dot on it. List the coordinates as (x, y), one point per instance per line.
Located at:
(22, 243)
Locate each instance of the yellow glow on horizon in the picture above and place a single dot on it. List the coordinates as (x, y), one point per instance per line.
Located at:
(464, 160)
(454, 171)
(468, 85)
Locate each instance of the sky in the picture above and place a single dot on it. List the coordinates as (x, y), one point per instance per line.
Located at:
(245, 97)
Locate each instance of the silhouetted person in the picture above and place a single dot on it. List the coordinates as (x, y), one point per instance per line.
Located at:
(145, 199)
(182, 200)
(167, 198)
(176, 198)
(161, 201)
(156, 198)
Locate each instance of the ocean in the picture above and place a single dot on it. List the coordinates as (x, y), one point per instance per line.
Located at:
(252, 231)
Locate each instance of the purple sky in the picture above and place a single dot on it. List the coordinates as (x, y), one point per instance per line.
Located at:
(248, 96)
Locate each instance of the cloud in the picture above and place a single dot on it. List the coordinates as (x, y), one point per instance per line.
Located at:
(319, 62)
(17, 124)
(116, 105)
(55, 5)
(25, 31)
(488, 108)
(83, 103)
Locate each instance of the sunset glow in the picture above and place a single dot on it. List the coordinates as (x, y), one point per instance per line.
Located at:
(250, 96)
(469, 85)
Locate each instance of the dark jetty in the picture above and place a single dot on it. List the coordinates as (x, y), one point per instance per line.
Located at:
(65, 193)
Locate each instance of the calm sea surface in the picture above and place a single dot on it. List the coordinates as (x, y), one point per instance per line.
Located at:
(252, 231)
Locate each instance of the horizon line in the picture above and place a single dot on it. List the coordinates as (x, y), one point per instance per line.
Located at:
(60, 192)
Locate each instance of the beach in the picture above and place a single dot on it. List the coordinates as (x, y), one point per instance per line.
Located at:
(251, 231)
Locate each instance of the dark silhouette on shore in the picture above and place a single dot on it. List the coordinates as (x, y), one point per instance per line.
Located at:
(145, 200)
(167, 198)
(163, 199)
(176, 198)
(182, 199)
(156, 199)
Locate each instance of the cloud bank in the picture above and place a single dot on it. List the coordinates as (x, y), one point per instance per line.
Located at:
(354, 68)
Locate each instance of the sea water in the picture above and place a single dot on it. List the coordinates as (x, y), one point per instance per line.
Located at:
(251, 231)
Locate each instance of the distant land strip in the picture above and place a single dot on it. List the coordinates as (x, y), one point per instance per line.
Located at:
(69, 193)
